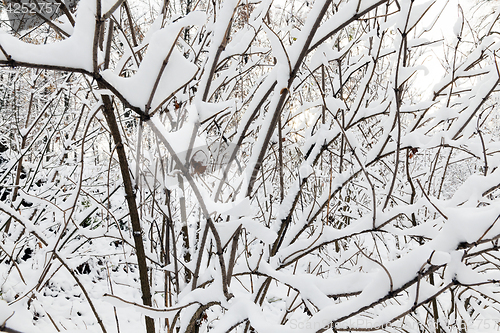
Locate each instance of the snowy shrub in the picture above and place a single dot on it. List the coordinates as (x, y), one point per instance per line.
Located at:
(269, 166)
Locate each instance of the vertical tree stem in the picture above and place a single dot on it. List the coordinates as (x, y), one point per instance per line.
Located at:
(132, 206)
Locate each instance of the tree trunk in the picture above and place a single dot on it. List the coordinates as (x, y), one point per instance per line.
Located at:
(132, 206)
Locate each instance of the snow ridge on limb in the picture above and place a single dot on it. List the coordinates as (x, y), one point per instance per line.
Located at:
(72, 54)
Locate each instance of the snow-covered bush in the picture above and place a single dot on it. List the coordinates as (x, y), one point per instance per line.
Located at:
(243, 166)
